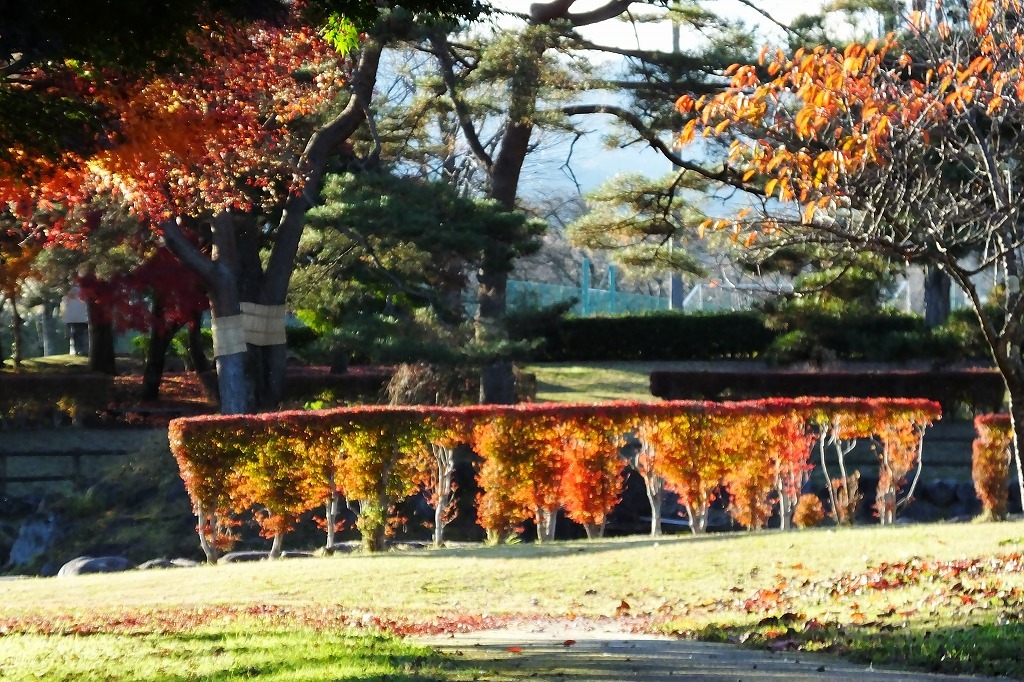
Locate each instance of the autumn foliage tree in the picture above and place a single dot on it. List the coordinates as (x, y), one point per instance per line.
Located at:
(990, 463)
(910, 149)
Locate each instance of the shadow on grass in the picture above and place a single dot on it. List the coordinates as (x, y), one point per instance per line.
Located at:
(989, 647)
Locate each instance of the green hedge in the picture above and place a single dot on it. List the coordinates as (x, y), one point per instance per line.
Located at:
(653, 336)
(982, 390)
(783, 337)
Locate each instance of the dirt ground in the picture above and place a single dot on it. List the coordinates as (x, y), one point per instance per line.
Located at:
(560, 651)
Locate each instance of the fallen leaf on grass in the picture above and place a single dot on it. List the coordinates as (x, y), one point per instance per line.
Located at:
(569, 642)
(515, 649)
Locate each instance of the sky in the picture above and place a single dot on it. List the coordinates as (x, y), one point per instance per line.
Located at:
(591, 163)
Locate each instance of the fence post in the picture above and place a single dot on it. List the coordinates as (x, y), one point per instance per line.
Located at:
(612, 301)
(585, 289)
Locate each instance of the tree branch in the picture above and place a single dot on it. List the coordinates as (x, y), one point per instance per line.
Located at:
(186, 251)
(444, 57)
(544, 13)
(634, 121)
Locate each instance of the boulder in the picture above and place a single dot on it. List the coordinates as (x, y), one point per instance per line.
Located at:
(35, 536)
(167, 563)
(87, 564)
(259, 555)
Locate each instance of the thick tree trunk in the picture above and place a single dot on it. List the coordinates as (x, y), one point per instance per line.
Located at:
(16, 328)
(937, 296)
(48, 328)
(156, 355)
(101, 340)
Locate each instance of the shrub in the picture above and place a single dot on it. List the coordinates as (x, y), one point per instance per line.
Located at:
(808, 512)
(28, 399)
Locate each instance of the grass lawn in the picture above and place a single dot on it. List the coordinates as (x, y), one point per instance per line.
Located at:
(596, 381)
(52, 363)
(941, 597)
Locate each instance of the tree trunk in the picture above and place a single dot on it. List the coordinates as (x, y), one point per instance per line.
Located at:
(1016, 406)
(655, 486)
(331, 510)
(195, 355)
(156, 355)
(594, 530)
(101, 340)
(275, 548)
(48, 328)
(18, 324)
(937, 296)
(206, 526)
(546, 520)
(445, 459)
(698, 517)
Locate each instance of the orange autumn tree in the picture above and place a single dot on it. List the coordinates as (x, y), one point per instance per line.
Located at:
(590, 438)
(990, 464)
(521, 472)
(910, 147)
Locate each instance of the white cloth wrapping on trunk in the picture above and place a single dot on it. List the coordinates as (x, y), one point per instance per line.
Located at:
(264, 324)
(228, 335)
(260, 325)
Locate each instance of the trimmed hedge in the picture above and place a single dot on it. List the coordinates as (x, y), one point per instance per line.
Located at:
(536, 459)
(654, 336)
(31, 398)
(981, 389)
(781, 338)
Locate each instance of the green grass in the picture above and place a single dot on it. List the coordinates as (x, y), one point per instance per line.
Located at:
(813, 589)
(596, 381)
(52, 363)
(228, 652)
(533, 579)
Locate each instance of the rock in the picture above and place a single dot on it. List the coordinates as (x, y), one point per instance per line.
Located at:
(243, 556)
(35, 536)
(167, 563)
(86, 564)
(256, 555)
(941, 493)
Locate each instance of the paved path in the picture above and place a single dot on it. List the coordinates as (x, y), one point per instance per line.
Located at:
(560, 652)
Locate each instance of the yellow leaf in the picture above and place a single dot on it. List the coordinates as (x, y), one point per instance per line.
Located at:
(749, 174)
(769, 188)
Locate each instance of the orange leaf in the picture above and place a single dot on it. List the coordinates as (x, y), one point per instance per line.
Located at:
(809, 212)
(515, 649)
